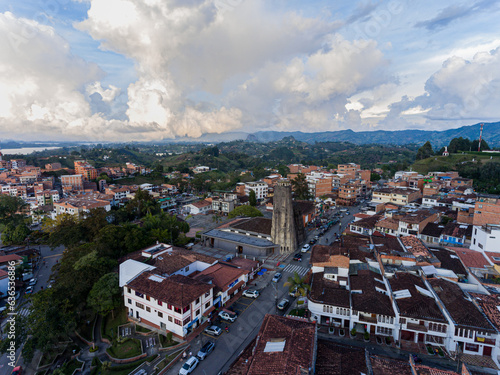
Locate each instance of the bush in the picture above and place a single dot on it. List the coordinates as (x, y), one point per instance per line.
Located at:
(353, 332)
(366, 336)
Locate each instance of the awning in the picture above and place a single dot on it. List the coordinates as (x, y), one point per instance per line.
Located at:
(207, 313)
(230, 291)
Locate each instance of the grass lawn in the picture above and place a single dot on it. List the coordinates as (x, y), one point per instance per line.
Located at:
(165, 343)
(110, 325)
(71, 366)
(142, 329)
(127, 349)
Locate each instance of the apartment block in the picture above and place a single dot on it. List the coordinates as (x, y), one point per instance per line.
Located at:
(486, 211)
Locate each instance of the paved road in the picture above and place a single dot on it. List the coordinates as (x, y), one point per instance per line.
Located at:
(42, 273)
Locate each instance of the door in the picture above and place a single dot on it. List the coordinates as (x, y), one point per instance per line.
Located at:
(137, 314)
(487, 351)
(240, 249)
(421, 337)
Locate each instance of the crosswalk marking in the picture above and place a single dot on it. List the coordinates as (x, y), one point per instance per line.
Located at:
(291, 268)
(24, 311)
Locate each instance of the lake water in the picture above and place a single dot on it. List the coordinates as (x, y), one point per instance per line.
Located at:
(25, 150)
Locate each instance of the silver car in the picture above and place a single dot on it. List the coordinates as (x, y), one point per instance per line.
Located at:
(251, 293)
(283, 304)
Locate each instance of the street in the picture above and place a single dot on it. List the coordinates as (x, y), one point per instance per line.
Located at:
(230, 345)
(42, 272)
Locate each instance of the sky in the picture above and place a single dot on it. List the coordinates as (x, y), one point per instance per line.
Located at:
(150, 70)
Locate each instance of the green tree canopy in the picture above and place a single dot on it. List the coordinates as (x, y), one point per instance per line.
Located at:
(301, 188)
(252, 198)
(248, 211)
(425, 151)
(105, 295)
(295, 282)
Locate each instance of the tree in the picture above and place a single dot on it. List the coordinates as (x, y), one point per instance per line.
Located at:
(425, 151)
(283, 170)
(459, 144)
(252, 199)
(105, 294)
(297, 283)
(9, 207)
(301, 187)
(475, 144)
(248, 211)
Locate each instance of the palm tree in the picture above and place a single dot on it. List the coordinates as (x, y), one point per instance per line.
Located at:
(298, 283)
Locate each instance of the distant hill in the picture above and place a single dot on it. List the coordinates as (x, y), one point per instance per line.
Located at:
(491, 134)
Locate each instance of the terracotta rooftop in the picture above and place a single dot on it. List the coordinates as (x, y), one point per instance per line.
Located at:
(246, 264)
(368, 222)
(457, 230)
(388, 366)
(284, 346)
(369, 300)
(432, 230)
(415, 246)
(323, 253)
(6, 258)
(489, 305)
(201, 204)
(387, 244)
(328, 292)
(462, 311)
(254, 224)
(416, 217)
(178, 290)
(336, 359)
(470, 258)
(388, 223)
(426, 370)
(171, 262)
(418, 305)
(449, 260)
(491, 256)
(221, 274)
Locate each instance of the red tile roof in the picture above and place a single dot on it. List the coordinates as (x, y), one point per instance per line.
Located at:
(298, 351)
(222, 275)
(178, 290)
(336, 359)
(415, 246)
(7, 258)
(470, 258)
(388, 366)
(489, 305)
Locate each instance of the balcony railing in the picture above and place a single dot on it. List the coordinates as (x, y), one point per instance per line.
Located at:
(368, 319)
(416, 327)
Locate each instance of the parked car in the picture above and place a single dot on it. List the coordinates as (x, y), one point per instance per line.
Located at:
(29, 290)
(312, 242)
(17, 370)
(277, 277)
(298, 257)
(293, 293)
(227, 315)
(33, 281)
(250, 293)
(189, 366)
(283, 304)
(213, 330)
(306, 247)
(205, 350)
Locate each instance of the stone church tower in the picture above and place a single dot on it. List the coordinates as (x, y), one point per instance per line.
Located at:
(283, 231)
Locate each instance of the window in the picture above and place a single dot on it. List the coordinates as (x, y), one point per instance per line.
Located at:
(139, 294)
(177, 321)
(186, 269)
(186, 309)
(207, 294)
(402, 320)
(177, 310)
(207, 305)
(471, 347)
(197, 301)
(160, 303)
(148, 309)
(148, 298)
(169, 306)
(169, 318)
(197, 312)
(139, 305)
(129, 290)
(129, 301)
(160, 314)
(186, 321)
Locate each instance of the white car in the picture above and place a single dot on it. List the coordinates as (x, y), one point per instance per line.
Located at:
(306, 248)
(276, 277)
(213, 330)
(33, 282)
(225, 315)
(189, 366)
(251, 293)
(283, 304)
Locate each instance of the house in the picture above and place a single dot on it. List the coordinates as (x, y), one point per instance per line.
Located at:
(284, 346)
(371, 306)
(420, 318)
(431, 233)
(468, 329)
(175, 304)
(486, 238)
(260, 188)
(200, 207)
(412, 223)
(455, 234)
(79, 206)
(398, 196)
(228, 280)
(365, 226)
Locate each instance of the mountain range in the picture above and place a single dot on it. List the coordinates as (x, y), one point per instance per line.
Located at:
(491, 134)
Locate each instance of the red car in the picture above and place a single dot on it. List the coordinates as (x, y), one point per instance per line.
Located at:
(17, 370)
